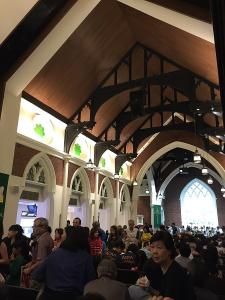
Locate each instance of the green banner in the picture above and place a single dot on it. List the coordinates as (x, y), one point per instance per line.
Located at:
(157, 215)
(3, 190)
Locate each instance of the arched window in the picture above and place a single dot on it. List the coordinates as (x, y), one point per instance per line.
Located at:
(77, 185)
(36, 173)
(198, 204)
(104, 191)
(123, 200)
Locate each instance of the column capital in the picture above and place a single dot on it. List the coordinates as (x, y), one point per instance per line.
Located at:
(67, 157)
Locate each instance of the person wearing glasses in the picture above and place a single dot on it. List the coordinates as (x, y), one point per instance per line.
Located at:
(42, 245)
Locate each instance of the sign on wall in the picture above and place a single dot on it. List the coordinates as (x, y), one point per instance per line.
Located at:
(3, 190)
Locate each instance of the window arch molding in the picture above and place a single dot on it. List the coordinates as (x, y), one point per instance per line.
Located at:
(47, 167)
(107, 184)
(81, 173)
(195, 196)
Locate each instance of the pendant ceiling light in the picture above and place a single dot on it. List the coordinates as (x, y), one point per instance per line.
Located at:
(204, 171)
(210, 180)
(197, 157)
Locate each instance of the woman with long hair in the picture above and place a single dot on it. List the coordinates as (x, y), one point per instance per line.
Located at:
(114, 238)
(15, 234)
(95, 246)
(66, 271)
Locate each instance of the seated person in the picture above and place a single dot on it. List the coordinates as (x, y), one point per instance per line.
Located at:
(116, 250)
(172, 281)
(199, 274)
(183, 258)
(20, 258)
(106, 285)
(128, 260)
(145, 248)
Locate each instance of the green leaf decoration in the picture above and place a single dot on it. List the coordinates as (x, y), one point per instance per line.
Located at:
(121, 172)
(39, 130)
(102, 162)
(77, 149)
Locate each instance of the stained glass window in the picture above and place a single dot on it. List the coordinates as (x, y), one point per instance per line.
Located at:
(198, 205)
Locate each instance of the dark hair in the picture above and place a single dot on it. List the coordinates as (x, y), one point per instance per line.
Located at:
(167, 240)
(92, 233)
(49, 229)
(76, 238)
(141, 259)
(114, 227)
(77, 218)
(119, 244)
(92, 296)
(146, 227)
(24, 246)
(184, 249)
(18, 228)
(133, 248)
(60, 231)
(162, 227)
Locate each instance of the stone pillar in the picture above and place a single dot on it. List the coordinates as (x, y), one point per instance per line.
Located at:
(117, 202)
(96, 210)
(65, 199)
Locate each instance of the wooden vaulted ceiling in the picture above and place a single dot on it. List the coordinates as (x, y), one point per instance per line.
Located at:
(79, 66)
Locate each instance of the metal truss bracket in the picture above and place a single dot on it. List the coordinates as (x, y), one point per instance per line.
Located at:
(101, 147)
(73, 130)
(120, 160)
(182, 81)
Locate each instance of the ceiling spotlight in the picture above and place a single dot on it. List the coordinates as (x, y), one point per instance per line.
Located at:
(197, 157)
(223, 189)
(135, 182)
(204, 171)
(147, 191)
(223, 195)
(210, 180)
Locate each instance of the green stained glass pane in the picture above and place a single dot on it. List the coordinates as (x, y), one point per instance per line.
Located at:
(102, 162)
(77, 149)
(121, 171)
(39, 130)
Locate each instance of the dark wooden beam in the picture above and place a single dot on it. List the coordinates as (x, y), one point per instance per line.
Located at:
(45, 107)
(218, 19)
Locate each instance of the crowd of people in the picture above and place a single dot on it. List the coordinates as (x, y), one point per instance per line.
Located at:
(171, 263)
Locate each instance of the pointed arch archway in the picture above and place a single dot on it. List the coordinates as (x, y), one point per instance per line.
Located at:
(37, 195)
(194, 196)
(124, 204)
(152, 158)
(79, 200)
(106, 215)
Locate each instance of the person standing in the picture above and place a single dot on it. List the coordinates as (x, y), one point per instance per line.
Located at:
(42, 247)
(95, 246)
(131, 234)
(76, 222)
